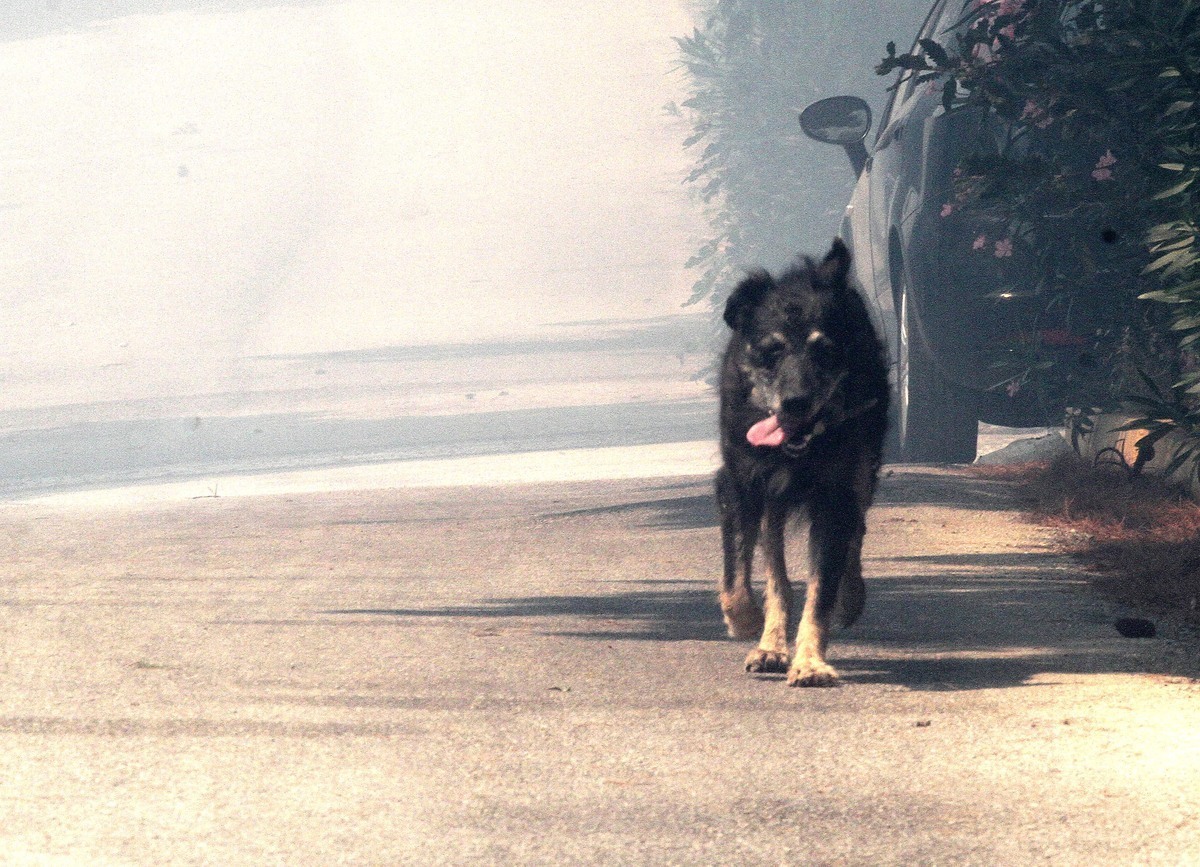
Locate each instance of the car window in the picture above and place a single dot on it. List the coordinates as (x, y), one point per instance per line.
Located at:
(946, 19)
(952, 13)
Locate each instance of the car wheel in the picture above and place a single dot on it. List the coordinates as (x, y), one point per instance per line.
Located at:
(936, 420)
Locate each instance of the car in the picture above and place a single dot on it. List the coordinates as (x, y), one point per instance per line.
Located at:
(945, 307)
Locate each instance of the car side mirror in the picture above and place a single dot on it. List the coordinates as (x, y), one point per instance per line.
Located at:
(840, 120)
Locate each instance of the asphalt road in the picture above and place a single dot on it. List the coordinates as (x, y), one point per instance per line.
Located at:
(538, 674)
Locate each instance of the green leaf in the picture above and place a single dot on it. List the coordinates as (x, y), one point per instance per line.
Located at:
(936, 53)
(1138, 423)
(1175, 190)
(1164, 261)
(1177, 244)
(1181, 457)
(1186, 323)
(1150, 384)
(886, 66)
(1151, 438)
(1168, 231)
(949, 92)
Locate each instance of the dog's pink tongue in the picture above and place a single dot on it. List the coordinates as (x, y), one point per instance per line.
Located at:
(768, 432)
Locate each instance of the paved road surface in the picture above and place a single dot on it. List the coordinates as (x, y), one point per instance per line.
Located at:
(537, 674)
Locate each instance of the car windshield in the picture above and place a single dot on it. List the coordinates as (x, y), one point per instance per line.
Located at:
(953, 13)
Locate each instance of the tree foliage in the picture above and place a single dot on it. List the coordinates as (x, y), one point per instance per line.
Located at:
(769, 192)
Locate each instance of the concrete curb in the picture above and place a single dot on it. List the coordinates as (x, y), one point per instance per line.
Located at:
(1046, 447)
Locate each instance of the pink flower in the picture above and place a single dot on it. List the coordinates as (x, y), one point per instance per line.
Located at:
(1036, 115)
(1004, 248)
(947, 209)
(1103, 170)
(1010, 31)
(980, 242)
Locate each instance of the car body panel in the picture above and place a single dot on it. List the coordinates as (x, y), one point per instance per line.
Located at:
(901, 233)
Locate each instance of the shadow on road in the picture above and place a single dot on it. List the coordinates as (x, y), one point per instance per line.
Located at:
(671, 513)
(926, 488)
(931, 632)
(635, 615)
(949, 620)
(926, 632)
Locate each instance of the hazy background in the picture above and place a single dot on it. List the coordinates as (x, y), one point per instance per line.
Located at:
(238, 236)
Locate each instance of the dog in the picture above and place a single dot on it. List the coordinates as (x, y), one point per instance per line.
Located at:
(804, 404)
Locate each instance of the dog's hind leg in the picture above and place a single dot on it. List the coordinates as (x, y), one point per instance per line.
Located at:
(739, 535)
(852, 591)
(772, 651)
(837, 530)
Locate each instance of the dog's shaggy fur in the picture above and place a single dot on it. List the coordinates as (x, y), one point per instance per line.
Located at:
(804, 396)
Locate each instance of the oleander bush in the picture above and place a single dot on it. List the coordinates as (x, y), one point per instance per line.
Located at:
(1084, 167)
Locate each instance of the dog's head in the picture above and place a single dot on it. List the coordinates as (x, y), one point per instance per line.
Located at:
(791, 342)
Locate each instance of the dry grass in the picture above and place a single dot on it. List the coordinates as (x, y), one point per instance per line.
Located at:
(1139, 535)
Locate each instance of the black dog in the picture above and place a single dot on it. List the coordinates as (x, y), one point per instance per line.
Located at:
(804, 396)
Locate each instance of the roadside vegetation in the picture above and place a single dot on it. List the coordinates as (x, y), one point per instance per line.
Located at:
(1083, 180)
(1138, 535)
(1081, 188)
(750, 67)
(1088, 173)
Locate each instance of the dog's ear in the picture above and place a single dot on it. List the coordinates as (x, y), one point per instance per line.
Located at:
(832, 271)
(748, 295)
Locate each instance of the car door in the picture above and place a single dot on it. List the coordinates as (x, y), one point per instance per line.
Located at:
(889, 185)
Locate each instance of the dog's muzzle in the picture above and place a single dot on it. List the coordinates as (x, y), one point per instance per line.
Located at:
(824, 424)
(781, 430)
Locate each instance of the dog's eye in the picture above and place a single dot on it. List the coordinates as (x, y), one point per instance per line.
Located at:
(767, 354)
(820, 347)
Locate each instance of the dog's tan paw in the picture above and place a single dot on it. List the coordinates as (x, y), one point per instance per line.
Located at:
(812, 673)
(743, 617)
(759, 661)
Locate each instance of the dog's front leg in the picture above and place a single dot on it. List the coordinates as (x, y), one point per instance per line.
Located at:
(837, 529)
(772, 651)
